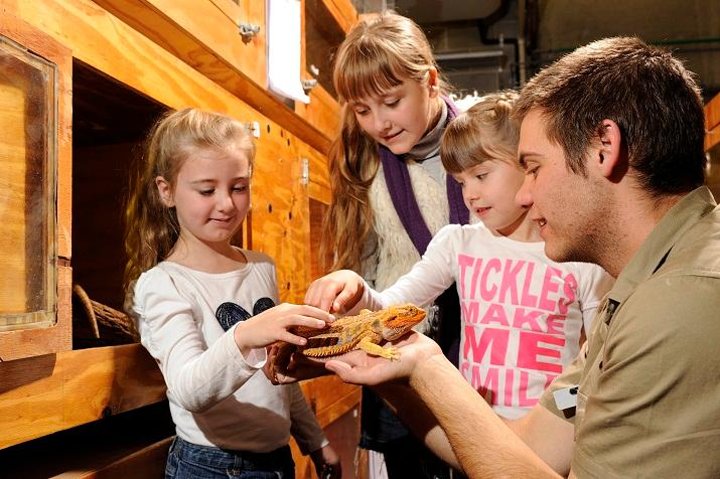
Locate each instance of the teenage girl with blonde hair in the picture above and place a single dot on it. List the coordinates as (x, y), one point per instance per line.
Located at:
(390, 192)
(205, 309)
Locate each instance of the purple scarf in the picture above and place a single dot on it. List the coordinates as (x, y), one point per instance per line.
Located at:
(398, 182)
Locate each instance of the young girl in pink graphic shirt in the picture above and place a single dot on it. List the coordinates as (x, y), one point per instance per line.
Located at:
(523, 315)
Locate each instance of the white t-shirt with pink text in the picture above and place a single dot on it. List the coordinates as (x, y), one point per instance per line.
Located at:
(522, 313)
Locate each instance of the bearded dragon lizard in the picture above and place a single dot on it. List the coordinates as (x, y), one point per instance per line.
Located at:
(363, 331)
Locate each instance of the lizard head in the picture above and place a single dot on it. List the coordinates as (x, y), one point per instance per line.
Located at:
(398, 320)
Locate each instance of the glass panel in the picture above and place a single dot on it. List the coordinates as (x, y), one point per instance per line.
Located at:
(27, 188)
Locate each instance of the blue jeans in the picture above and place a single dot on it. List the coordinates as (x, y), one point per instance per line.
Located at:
(190, 461)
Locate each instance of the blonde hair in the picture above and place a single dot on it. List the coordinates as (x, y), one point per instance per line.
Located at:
(379, 53)
(487, 130)
(151, 228)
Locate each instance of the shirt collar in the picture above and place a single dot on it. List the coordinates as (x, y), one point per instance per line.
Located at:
(655, 249)
(429, 145)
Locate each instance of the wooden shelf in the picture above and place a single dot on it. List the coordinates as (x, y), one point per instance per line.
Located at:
(46, 394)
(130, 445)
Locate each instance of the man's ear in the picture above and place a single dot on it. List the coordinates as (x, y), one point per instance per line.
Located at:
(433, 82)
(165, 191)
(608, 154)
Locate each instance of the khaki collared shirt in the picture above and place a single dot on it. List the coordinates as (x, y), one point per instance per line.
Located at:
(649, 395)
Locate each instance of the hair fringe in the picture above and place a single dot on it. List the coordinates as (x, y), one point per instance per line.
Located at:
(380, 52)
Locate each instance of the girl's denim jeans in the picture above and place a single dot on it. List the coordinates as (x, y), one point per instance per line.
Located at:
(190, 461)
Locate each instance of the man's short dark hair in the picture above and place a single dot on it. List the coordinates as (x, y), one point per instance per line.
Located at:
(645, 90)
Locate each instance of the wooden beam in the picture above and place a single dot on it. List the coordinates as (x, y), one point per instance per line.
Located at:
(46, 394)
(209, 42)
(344, 13)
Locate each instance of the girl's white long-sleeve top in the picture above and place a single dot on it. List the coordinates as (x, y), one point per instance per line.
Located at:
(218, 397)
(521, 313)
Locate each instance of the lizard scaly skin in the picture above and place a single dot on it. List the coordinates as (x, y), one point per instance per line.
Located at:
(363, 331)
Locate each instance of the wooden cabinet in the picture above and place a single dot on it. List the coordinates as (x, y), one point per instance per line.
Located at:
(108, 68)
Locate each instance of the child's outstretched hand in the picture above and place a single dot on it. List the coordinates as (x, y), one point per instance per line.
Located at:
(336, 292)
(275, 323)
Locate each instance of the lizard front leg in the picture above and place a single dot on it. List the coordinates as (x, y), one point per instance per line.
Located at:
(368, 344)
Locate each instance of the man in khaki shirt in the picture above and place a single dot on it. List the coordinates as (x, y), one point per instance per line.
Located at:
(612, 143)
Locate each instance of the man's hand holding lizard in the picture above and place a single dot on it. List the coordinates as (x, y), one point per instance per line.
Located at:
(358, 367)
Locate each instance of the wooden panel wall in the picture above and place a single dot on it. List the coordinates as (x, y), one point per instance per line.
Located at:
(157, 49)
